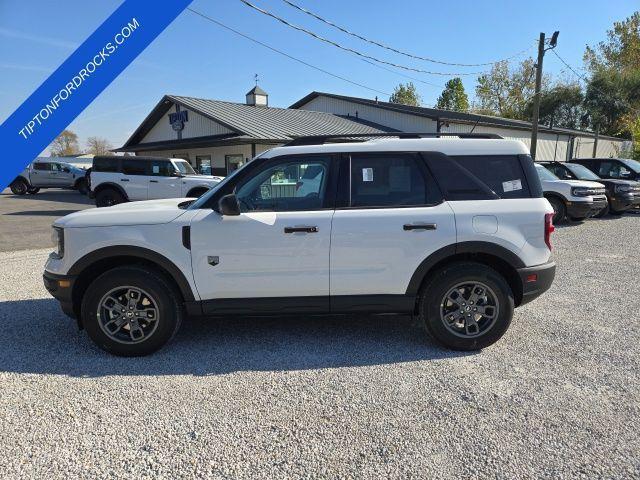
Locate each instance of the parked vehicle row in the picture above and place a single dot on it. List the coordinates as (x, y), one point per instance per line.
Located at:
(456, 232)
(115, 180)
(576, 191)
(49, 174)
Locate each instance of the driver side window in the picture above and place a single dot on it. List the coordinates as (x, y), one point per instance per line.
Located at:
(290, 185)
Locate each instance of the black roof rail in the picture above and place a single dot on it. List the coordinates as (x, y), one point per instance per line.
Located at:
(347, 137)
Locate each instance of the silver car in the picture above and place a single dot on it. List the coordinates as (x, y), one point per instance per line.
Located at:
(49, 173)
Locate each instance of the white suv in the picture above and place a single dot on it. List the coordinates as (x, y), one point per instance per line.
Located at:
(116, 180)
(572, 199)
(455, 231)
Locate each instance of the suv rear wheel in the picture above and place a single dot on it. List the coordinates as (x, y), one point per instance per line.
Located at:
(466, 306)
(131, 311)
(559, 210)
(19, 187)
(108, 197)
(82, 186)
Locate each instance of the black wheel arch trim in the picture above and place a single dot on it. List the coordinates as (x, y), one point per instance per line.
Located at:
(24, 179)
(477, 247)
(139, 252)
(557, 195)
(115, 186)
(201, 187)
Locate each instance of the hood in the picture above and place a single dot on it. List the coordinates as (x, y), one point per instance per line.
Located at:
(149, 212)
(615, 181)
(583, 183)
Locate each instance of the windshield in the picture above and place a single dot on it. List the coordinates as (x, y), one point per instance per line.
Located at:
(632, 164)
(203, 199)
(582, 172)
(545, 174)
(184, 167)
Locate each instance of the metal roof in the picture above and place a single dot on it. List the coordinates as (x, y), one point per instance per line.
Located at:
(449, 115)
(257, 91)
(250, 123)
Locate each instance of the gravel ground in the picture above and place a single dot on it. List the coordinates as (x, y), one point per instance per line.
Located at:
(365, 397)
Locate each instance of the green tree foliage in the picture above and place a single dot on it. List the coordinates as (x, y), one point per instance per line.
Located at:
(406, 95)
(65, 144)
(454, 97)
(561, 106)
(621, 50)
(505, 92)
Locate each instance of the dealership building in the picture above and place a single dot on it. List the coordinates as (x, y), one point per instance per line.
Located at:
(219, 136)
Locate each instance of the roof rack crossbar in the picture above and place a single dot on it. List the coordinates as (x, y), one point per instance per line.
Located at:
(322, 139)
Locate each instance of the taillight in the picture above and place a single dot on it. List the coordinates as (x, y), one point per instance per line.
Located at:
(548, 228)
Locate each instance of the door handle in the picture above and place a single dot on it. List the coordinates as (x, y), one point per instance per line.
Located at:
(124, 179)
(153, 181)
(304, 229)
(419, 226)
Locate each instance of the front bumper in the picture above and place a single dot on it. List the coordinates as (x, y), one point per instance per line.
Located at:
(61, 287)
(584, 209)
(536, 280)
(624, 201)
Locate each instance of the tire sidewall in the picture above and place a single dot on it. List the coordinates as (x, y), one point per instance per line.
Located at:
(19, 187)
(103, 194)
(559, 210)
(446, 279)
(170, 311)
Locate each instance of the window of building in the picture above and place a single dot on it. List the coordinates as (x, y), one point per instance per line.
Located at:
(203, 164)
(233, 162)
(389, 181)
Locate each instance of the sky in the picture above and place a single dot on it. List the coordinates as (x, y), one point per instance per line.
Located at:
(194, 57)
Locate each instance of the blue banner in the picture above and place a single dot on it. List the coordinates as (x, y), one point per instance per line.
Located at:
(80, 79)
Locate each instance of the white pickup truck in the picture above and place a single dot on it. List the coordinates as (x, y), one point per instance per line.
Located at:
(44, 173)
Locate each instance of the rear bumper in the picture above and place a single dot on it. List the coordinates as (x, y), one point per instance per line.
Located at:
(586, 209)
(61, 287)
(536, 280)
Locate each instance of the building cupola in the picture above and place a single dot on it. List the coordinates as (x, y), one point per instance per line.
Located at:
(257, 97)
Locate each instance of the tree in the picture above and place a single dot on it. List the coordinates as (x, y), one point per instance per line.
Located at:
(561, 106)
(506, 92)
(453, 96)
(65, 144)
(621, 50)
(406, 95)
(99, 146)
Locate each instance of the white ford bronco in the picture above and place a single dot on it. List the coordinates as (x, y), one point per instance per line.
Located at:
(116, 180)
(454, 231)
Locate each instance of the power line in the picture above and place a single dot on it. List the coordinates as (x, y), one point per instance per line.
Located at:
(351, 50)
(291, 57)
(395, 50)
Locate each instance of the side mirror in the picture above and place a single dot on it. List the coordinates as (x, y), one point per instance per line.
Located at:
(176, 174)
(228, 205)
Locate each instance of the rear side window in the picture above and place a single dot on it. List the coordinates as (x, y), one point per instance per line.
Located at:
(134, 167)
(397, 180)
(42, 166)
(102, 164)
(501, 173)
(161, 168)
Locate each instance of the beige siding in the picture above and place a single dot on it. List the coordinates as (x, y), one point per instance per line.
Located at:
(396, 120)
(197, 126)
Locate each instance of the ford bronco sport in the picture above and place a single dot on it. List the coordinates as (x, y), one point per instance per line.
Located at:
(454, 231)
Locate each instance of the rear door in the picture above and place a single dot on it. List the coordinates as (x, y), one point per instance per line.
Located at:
(162, 181)
(134, 178)
(390, 217)
(40, 175)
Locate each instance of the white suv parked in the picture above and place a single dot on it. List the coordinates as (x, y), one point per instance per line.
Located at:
(456, 232)
(573, 199)
(121, 179)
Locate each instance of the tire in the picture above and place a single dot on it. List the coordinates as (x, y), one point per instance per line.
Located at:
(19, 187)
(604, 212)
(578, 219)
(197, 192)
(434, 310)
(617, 213)
(152, 287)
(82, 186)
(108, 197)
(33, 190)
(559, 210)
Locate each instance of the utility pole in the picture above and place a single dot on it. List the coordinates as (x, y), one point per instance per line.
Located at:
(536, 99)
(595, 140)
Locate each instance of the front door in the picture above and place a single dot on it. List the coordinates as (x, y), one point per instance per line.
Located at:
(61, 175)
(274, 256)
(393, 219)
(162, 180)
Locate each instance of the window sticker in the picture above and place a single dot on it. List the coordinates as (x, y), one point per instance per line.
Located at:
(512, 185)
(367, 174)
(156, 169)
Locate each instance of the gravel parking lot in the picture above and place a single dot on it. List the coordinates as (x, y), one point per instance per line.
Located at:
(347, 397)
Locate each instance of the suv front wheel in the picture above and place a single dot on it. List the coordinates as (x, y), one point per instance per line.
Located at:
(131, 311)
(108, 197)
(466, 306)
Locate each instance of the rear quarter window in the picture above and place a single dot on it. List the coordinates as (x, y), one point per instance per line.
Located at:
(134, 167)
(501, 173)
(101, 164)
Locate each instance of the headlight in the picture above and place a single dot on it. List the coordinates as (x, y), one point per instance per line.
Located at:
(581, 191)
(57, 239)
(623, 188)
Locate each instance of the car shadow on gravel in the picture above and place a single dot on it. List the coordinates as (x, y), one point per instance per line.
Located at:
(36, 337)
